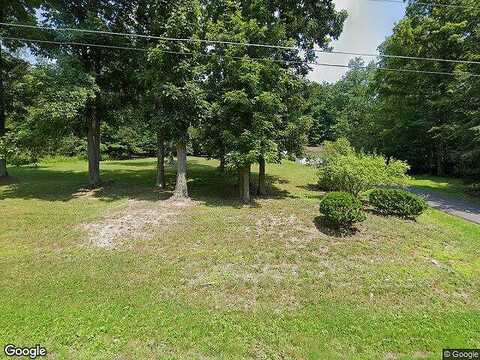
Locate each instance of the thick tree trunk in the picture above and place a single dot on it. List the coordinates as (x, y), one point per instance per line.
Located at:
(244, 174)
(262, 188)
(93, 140)
(160, 160)
(3, 161)
(181, 188)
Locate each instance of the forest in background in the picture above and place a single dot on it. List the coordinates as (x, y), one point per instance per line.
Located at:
(238, 104)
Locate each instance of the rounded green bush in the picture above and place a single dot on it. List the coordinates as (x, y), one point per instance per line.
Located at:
(397, 203)
(342, 209)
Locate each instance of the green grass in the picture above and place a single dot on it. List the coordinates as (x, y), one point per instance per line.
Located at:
(450, 187)
(227, 281)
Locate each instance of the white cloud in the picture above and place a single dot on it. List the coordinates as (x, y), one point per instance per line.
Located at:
(367, 26)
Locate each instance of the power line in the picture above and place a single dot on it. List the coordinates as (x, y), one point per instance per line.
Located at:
(71, 43)
(241, 58)
(425, 3)
(220, 42)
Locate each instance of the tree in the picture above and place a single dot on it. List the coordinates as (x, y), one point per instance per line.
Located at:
(99, 63)
(11, 11)
(430, 119)
(49, 101)
(176, 74)
(346, 108)
(249, 98)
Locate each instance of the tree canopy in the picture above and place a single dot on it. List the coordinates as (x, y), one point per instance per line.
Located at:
(227, 79)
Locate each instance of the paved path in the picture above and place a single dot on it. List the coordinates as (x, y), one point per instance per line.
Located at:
(458, 207)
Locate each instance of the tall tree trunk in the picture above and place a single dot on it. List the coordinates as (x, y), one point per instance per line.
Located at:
(244, 174)
(181, 188)
(93, 140)
(262, 188)
(160, 160)
(3, 161)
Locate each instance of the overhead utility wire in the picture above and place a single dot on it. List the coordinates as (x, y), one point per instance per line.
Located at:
(72, 43)
(220, 42)
(425, 3)
(240, 58)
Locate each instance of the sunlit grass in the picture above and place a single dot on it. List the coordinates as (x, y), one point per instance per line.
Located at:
(228, 281)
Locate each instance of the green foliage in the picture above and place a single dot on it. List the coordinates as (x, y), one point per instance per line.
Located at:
(342, 210)
(15, 152)
(345, 170)
(259, 107)
(332, 149)
(397, 203)
(429, 120)
(432, 120)
(125, 135)
(346, 108)
(72, 146)
(46, 108)
(175, 79)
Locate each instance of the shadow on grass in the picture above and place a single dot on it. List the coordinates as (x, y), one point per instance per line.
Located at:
(325, 228)
(310, 187)
(134, 181)
(313, 191)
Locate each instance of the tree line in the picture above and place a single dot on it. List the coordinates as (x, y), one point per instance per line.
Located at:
(240, 104)
(426, 112)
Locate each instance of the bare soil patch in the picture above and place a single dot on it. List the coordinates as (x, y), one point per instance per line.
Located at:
(139, 219)
(284, 227)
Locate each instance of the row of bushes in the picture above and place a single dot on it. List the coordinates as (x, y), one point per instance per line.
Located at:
(343, 210)
(349, 173)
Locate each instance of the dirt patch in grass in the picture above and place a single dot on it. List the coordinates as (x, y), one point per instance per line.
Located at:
(138, 220)
(87, 193)
(285, 227)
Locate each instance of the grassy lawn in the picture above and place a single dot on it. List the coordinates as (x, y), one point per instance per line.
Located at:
(450, 187)
(223, 281)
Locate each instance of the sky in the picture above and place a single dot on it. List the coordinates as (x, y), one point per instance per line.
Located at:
(367, 26)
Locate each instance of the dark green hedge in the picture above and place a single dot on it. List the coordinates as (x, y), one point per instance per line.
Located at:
(397, 203)
(342, 210)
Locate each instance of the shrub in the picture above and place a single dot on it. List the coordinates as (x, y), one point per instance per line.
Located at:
(354, 173)
(332, 149)
(342, 210)
(397, 202)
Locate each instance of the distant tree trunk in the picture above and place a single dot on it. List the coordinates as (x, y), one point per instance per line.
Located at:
(171, 150)
(160, 160)
(440, 161)
(222, 164)
(93, 145)
(244, 174)
(262, 188)
(3, 162)
(181, 188)
(432, 163)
